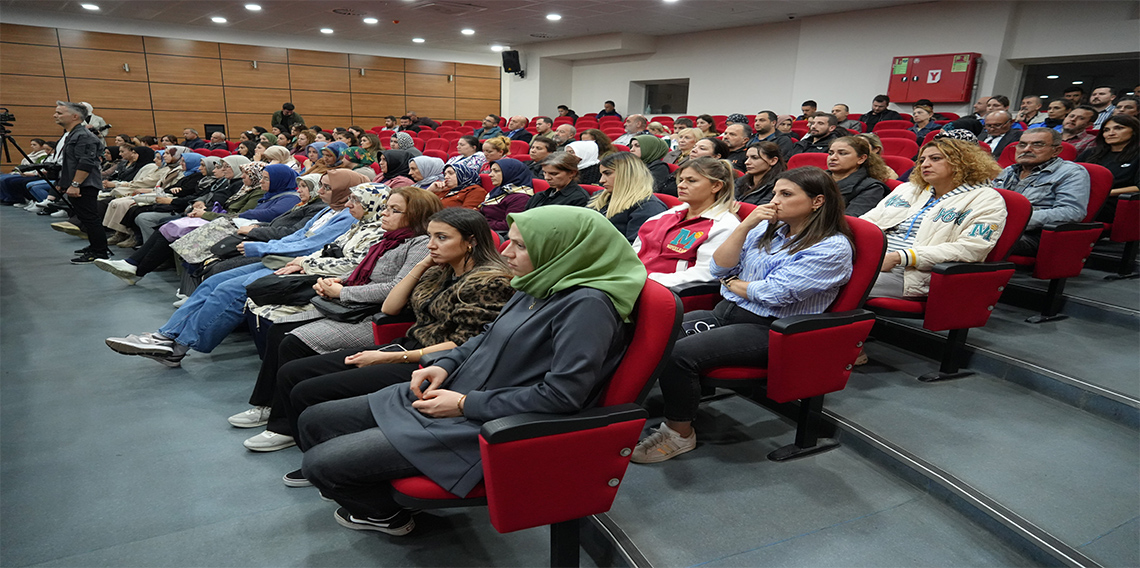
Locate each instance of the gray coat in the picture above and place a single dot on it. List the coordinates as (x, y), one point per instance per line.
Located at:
(509, 369)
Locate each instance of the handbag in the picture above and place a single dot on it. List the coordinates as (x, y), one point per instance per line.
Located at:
(175, 229)
(227, 247)
(194, 247)
(282, 289)
(346, 312)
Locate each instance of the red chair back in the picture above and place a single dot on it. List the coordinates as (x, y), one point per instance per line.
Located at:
(1017, 212)
(672, 167)
(385, 135)
(419, 143)
(592, 189)
(427, 134)
(473, 124)
(539, 185)
(375, 167)
(560, 120)
(799, 131)
(1100, 185)
(485, 181)
(521, 157)
(621, 147)
(231, 145)
(202, 152)
(744, 209)
(900, 147)
(892, 125)
(519, 147)
(656, 319)
(893, 133)
(441, 144)
(451, 135)
(443, 129)
(451, 123)
(670, 201)
(949, 115)
(1008, 156)
(441, 154)
(817, 159)
(899, 164)
(892, 183)
(870, 246)
(224, 153)
(929, 136)
(1068, 152)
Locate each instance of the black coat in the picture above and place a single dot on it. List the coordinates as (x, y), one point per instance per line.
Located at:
(81, 153)
(572, 194)
(861, 192)
(663, 179)
(631, 220)
(808, 145)
(760, 196)
(871, 119)
(1008, 138)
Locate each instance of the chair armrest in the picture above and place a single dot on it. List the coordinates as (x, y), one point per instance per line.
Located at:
(696, 288)
(952, 268)
(1067, 227)
(963, 294)
(813, 322)
(429, 359)
(1129, 196)
(386, 328)
(813, 354)
(536, 425)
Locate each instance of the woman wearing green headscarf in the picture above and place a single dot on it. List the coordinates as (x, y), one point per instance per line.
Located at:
(577, 282)
(651, 149)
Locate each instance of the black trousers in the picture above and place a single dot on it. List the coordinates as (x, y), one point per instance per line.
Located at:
(86, 209)
(1027, 244)
(155, 251)
(279, 349)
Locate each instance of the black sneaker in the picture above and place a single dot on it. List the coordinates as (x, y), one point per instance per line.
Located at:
(296, 479)
(399, 524)
(89, 256)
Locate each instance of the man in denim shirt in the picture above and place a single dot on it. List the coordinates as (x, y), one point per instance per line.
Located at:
(1058, 190)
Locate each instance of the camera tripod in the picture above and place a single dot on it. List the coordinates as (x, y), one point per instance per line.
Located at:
(6, 119)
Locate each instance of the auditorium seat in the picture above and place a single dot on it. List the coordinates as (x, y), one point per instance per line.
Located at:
(375, 167)
(451, 135)
(385, 134)
(519, 147)
(900, 147)
(560, 120)
(892, 125)
(442, 144)
(221, 153)
(521, 157)
(800, 124)
(899, 164)
(670, 201)
(614, 133)
(929, 136)
(621, 147)
(951, 116)
(672, 167)
(202, 152)
(799, 132)
(962, 294)
(443, 129)
(817, 159)
(485, 181)
(419, 143)
(465, 130)
(427, 134)
(451, 123)
(895, 133)
(539, 185)
(592, 189)
(1125, 228)
(435, 153)
(473, 124)
(231, 145)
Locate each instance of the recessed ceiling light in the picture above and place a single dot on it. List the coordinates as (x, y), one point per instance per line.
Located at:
(92, 7)
(326, 30)
(1053, 77)
(670, 1)
(468, 31)
(418, 40)
(253, 7)
(497, 48)
(553, 17)
(371, 21)
(218, 20)
(1043, 97)
(1078, 82)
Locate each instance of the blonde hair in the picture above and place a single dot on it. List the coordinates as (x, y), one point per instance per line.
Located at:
(500, 143)
(633, 183)
(715, 170)
(875, 165)
(695, 133)
(971, 163)
(656, 127)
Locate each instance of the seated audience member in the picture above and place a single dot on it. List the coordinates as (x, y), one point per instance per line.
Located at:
(858, 172)
(422, 120)
(560, 170)
(764, 130)
(628, 200)
(947, 212)
(709, 148)
(1000, 132)
(998, 102)
(217, 141)
(395, 169)
(564, 135)
(608, 110)
(517, 129)
(1101, 100)
(342, 134)
(267, 139)
(808, 108)
(1075, 94)
(707, 125)
(248, 149)
(402, 248)
(286, 117)
(512, 190)
(1058, 190)
(680, 124)
(1128, 104)
(659, 130)
(425, 170)
(405, 125)
(495, 148)
(323, 136)
(1074, 129)
(784, 124)
(169, 175)
(371, 144)
(761, 169)
(279, 155)
(544, 126)
(191, 139)
(490, 128)
(540, 148)
(686, 139)
(677, 245)
(168, 141)
(317, 161)
(736, 138)
(605, 146)
(877, 148)
(651, 149)
(1055, 114)
(140, 174)
(470, 152)
(358, 160)
(842, 114)
(980, 108)
(460, 187)
(878, 112)
(403, 141)
(1117, 149)
(576, 286)
(1030, 111)
(821, 131)
(789, 257)
(635, 125)
(564, 110)
(587, 153)
(923, 122)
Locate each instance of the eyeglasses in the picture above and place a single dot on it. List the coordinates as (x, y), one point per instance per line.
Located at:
(1035, 145)
(324, 187)
(391, 210)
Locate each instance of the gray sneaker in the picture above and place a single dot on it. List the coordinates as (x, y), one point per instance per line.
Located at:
(252, 418)
(269, 442)
(663, 444)
(121, 268)
(144, 344)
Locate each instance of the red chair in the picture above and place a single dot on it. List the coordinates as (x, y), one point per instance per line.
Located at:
(436, 154)
(892, 133)
(1125, 228)
(817, 159)
(465, 130)
(587, 453)
(665, 120)
(520, 147)
(929, 136)
(375, 167)
(560, 120)
(899, 164)
(451, 135)
(950, 116)
(1065, 247)
(614, 133)
(671, 201)
(485, 181)
(377, 129)
(451, 123)
(672, 167)
(585, 123)
(521, 157)
(443, 129)
(900, 147)
(539, 185)
(892, 125)
(800, 132)
(1068, 152)
(621, 147)
(812, 355)
(502, 122)
(592, 189)
(800, 124)
(473, 124)
(441, 144)
(963, 294)
(203, 152)
(231, 145)
(419, 143)
(428, 135)
(221, 153)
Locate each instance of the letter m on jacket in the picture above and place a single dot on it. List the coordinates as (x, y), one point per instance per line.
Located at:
(685, 239)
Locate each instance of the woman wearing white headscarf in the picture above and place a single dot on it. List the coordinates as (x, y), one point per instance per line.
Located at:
(588, 169)
(425, 170)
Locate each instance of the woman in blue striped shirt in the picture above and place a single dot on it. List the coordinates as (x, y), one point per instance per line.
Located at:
(788, 257)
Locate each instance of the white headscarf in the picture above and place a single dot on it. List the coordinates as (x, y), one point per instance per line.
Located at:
(587, 152)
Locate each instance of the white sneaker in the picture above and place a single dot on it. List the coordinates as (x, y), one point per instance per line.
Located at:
(32, 206)
(61, 214)
(179, 303)
(661, 445)
(121, 268)
(143, 344)
(269, 442)
(252, 418)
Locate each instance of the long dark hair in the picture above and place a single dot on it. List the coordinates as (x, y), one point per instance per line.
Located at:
(1102, 149)
(473, 228)
(767, 149)
(824, 222)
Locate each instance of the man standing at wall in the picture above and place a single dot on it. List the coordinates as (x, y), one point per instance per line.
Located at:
(286, 118)
(79, 177)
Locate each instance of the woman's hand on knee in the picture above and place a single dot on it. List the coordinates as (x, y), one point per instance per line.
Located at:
(433, 375)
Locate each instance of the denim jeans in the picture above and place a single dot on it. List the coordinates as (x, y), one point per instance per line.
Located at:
(213, 310)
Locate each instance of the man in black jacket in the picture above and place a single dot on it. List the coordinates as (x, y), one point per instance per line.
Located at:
(80, 179)
(516, 129)
(821, 131)
(879, 112)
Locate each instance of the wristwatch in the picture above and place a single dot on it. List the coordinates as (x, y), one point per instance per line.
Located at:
(74, 184)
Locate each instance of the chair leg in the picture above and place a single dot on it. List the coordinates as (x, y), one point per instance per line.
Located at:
(565, 540)
(1053, 299)
(808, 422)
(1127, 261)
(951, 355)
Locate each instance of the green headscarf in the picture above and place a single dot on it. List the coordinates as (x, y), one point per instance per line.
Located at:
(575, 246)
(271, 137)
(652, 148)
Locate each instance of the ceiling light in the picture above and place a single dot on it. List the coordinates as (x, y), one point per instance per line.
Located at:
(497, 48)
(1043, 97)
(468, 31)
(92, 7)
(553, 17)
(670, 1)
(253, 7)
(371, 21)
(1053, 77)
(1078, 82)
(326, 30)
(418, 40)
(218, 20)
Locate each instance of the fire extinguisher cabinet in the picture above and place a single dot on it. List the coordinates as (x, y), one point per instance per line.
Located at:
(945, 78)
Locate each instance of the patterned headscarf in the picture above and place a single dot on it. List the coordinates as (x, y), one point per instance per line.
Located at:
(373, 197)
(358, 156)
(736, 118)
(431, 168)
(958, 134)
(255, 171)
(404, 141)
(466, 175)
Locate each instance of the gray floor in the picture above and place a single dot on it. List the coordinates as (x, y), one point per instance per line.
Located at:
(1090, 284)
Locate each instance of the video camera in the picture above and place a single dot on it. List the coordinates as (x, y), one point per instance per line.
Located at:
(6, 118)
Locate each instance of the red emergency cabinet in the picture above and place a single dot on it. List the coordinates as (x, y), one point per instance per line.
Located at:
(945, 78)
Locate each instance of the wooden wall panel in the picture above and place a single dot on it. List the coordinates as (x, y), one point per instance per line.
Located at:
(100, 64)
(25, 143)
(172, 122)
(35, 121)
(310, 102)
(242, 74)
(184, 47)
(475, 109)
(436, 108)
(471, 88)
(184, 70)
(377, 105)
(237, 122)
(96, 40)
(368, 121)
(424, 66)
(16, 33)
(374, 62)
(110, 94)
(325, 58)
(256, 53)
(30, 60)
(132, 122)
(307, 78)
(32, 91)
(428, 85)
(255, 101)
(328, 121)
(484, 71)
(203, 98)
(386, 82)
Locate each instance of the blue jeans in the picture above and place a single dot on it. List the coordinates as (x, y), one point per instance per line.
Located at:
(214, 309)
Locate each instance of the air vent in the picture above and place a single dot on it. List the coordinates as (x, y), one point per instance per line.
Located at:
(544, 36)
(451, 8)
(347, 12)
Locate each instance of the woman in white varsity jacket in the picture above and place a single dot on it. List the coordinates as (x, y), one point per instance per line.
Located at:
(947, 212)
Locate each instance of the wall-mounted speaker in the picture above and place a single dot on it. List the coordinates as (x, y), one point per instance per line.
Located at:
(511, 62)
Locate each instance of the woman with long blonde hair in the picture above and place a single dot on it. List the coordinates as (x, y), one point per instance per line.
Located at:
(628, 200)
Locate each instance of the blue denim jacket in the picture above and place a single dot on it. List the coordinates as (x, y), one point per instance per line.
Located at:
(1058, 191)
